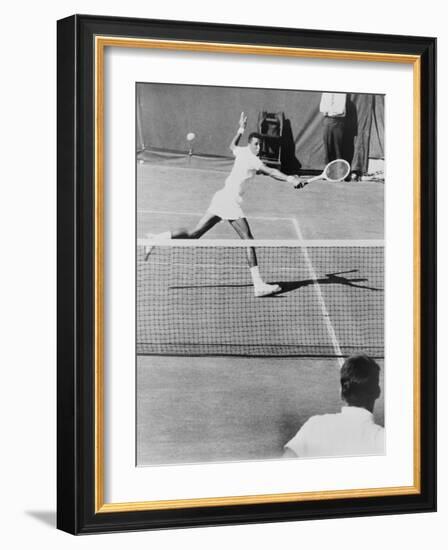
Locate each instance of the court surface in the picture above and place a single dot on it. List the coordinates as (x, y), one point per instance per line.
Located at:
(196, 409)
(171, 197)
(231, 408)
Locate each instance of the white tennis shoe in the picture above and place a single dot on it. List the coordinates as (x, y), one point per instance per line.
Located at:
(266, 290)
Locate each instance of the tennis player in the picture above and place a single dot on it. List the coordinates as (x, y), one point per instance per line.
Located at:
(226, 203)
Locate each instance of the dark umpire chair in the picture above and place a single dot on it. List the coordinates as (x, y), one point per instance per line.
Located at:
(270, 127)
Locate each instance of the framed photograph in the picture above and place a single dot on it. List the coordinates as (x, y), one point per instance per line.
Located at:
(246, 274)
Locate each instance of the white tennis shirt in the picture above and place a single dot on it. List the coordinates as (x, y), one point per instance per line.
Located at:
(244, 168)
(352, 432)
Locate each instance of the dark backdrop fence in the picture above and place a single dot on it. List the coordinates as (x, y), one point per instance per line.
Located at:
(167, 112)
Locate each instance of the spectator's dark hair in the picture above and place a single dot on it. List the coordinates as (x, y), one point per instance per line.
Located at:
(360, 377)
(254, 135)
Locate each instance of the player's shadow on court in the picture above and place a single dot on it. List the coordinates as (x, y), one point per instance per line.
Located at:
(289, 286)
(329, 279)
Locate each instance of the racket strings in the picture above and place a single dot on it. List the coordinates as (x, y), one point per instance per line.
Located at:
(337, 170)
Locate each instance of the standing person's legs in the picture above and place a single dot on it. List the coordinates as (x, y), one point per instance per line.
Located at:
(327, 139)
(338, 138)
(333, 138)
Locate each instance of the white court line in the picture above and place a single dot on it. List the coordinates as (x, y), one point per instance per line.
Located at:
(299, 241)
(208, 266)
(198, 214)
(257, 243)
(192, 168)
(320, 297)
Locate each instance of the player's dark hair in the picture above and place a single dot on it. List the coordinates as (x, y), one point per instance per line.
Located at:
(360, 377)
(254, 135)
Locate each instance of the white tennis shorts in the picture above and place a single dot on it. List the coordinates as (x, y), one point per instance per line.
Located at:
(226, 205)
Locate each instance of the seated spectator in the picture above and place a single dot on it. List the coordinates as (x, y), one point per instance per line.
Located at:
(352, 432)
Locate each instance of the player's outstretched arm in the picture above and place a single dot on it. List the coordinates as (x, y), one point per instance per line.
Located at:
(278, 175)
(240, 132)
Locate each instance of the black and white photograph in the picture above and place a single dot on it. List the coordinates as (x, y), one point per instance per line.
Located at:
(259, 274)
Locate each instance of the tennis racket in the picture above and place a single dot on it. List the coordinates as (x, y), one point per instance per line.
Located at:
(336, 170)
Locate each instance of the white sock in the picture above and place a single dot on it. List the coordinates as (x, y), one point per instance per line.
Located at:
(256, 277)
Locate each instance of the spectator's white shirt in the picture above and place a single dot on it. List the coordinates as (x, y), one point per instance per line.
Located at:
(352, 432)
(244, 168)
(333, 105)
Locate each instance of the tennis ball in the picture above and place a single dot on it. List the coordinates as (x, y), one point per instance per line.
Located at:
(191, 136)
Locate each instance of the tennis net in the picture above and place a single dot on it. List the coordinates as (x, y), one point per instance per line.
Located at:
(196, 298)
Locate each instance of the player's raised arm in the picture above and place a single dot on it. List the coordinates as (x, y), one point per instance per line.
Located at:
(240, 132)
(278, 175)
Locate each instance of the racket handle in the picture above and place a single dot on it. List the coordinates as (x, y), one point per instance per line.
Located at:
(315, 178)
